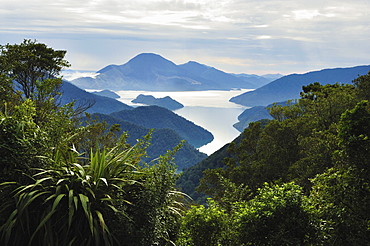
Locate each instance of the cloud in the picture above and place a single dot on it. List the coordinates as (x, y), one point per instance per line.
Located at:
(281, 36)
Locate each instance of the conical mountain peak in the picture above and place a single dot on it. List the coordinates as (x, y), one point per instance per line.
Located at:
(147, 60)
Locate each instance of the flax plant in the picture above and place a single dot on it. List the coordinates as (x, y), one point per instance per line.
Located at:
(67, 204)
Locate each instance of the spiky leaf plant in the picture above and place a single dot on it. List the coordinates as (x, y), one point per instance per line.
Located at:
(68, 204)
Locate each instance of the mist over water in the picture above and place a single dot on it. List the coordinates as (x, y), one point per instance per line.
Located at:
(208, 109)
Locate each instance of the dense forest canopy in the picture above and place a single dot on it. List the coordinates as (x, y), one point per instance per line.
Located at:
(301, 178)
(317, 150)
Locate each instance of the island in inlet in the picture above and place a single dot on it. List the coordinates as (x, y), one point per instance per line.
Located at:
(107, 93)
(165, 102)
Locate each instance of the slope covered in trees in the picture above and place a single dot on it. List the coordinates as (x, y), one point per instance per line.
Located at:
(158, 117)
(301, 179)
(93, 103)
(162, 140)
(165, 102)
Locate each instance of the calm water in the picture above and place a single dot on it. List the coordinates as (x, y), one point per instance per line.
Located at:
(209, 109)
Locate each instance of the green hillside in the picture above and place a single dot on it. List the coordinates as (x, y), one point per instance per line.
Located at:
(158, 117)
(162, 140)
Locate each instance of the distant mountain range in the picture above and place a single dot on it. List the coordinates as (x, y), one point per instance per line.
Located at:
(289, 87)
(258, 80)
(165, 102)
(152, 72)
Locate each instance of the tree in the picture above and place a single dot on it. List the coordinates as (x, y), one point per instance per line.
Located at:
(277, 215)
(21, 141)
(238, 167)
(34, 69)
(362, 86)
(341, 195)
(205, 226)
(354, 133)
(29, 86)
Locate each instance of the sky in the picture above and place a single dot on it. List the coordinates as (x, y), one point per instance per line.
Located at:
(237, 36)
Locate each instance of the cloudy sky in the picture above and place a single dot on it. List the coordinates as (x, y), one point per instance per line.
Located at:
(240, 36)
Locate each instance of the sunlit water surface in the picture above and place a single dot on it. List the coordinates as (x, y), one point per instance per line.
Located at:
(209, 109)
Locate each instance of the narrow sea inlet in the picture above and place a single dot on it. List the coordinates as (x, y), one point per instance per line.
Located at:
(209, 109)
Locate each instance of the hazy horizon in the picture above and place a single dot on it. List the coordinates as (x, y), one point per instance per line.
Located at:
(235, 36)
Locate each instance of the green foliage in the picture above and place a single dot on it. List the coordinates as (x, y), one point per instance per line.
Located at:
(83, 202)
(189, 179)
(327, 102)
(31, 63)
(341, 195)
(205, 226)
(295, 146)
(33, 69)
(316, 156)
(276, 216)
(354, 132)
(362, 86)
(101, 192)
(21, 141)
(340, 199)
(155, 213)
(72, 197)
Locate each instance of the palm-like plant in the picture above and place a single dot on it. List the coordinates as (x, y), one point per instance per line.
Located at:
(67, 204)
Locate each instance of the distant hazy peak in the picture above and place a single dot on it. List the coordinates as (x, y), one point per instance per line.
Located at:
(272, 76)
(149, 58)
(196, 63)
(107, 68)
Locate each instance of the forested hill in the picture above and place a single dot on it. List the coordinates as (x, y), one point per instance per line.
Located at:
(162, 140)
(107, 93)
(96, 103)
(256, 113)
(165, 102)
(191, 176)
(158, 117)
(289, 87)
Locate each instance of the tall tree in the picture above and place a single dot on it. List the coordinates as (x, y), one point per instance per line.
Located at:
(34, 69)
(342, 194)
(362, 85)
